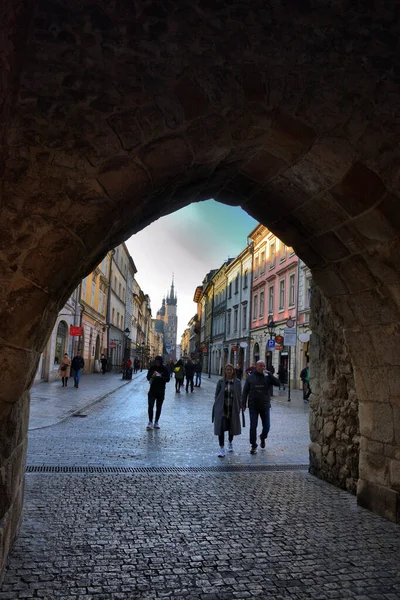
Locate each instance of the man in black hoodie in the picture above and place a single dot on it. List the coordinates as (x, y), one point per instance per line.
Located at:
(158, 376)
(257, 392)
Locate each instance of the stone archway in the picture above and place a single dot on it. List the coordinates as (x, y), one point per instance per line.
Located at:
(113, 115)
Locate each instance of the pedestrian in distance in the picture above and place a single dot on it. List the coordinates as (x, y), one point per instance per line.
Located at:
(198, 370)
(227, 409)
(103, 361)
(158, 376)
(257, 394)
(238, 372)
(305, 378)
(282, 376)
(189, 374)
(77, 365)
(179, 371)
(64, 370)
(252, 369)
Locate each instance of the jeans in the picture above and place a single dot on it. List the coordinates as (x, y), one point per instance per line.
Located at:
(189, 381)
(225, 426)
(265, 420)
(77, 376)
(306, 390)
(152, 399)
(198, 379)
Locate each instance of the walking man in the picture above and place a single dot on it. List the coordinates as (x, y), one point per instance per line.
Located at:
(257, 394)
(189, 372)
(158, 376)
(305, 378)
(77, 365)
(103, 361)
(198, 370)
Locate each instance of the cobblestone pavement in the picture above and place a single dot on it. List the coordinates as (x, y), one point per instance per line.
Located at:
(113, 431)
(155, 533)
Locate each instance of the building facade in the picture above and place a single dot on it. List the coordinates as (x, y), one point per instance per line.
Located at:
(238, 284)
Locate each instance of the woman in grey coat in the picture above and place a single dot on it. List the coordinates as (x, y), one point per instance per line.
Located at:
(226, 409)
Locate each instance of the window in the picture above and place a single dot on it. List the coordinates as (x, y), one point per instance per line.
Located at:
(282, 294)
(83, 292)
(261, 313)
(235, 319)
(113, 316)
(228, 324)
(61, 339)
(119, 290)
(308, 292)
(256, 267)
(93, 292)
(272, 250)
(255, 305)
(123, 293)
(230, 290)
(115, 284)
(292, 289)
(117, 319)
(262, 262)
(237, 284)
(282, 251)
(271, 292)
(245, 279)
(244, 314)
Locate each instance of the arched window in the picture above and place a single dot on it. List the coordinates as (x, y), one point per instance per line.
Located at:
(61, 342)
(256, 352)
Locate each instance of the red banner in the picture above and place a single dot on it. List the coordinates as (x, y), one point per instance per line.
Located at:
(75, 331)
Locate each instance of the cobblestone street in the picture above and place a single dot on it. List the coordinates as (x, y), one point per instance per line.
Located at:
(125, 513)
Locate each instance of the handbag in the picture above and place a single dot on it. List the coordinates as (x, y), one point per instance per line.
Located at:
(64, 368)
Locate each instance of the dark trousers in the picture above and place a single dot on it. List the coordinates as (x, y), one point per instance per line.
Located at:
(306, 390)
(265, 420)
(159, 400)
(225, 426)
(189, 381)
(178, 383)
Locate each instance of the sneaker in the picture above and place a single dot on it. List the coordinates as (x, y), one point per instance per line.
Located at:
(222, 452)
(262, 443)
(156, 425)
(230, 447)
(149, 426)
(253, 450)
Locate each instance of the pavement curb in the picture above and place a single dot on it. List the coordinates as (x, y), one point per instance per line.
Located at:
(84, 407)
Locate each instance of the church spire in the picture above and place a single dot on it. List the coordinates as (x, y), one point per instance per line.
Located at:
(172, 293)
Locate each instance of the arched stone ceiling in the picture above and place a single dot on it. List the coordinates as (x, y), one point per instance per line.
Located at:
(115, 112)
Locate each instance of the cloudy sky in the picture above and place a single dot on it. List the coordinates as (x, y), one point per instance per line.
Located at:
(188, 243)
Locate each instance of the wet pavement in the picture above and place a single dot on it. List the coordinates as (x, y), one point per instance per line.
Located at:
(115, 512)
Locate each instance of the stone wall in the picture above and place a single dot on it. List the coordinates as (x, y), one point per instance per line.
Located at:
(334, 425)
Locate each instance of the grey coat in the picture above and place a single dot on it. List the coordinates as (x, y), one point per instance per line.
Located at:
(218, 408)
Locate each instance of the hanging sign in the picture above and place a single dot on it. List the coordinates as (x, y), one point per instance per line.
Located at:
(290, 337)
(279, 339)
(75, 331)
(271, 344)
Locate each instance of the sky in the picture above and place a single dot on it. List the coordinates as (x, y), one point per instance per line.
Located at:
(188, 244)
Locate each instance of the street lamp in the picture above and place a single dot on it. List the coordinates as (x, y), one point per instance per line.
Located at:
(271, 327)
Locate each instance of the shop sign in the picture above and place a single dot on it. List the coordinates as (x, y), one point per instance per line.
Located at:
(75, 331)
(279, 339)
(278, 347)
(290, 337)
(113, 345)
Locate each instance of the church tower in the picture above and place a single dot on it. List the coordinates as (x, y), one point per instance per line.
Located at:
(167, 315)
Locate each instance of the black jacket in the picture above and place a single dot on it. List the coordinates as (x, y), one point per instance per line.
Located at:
(157, 384)
(189, 369)
(77, 363)
(257, 390)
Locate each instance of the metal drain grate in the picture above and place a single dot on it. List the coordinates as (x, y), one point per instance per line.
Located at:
(212, 469)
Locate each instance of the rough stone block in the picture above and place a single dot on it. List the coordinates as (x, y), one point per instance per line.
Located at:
(359, 190)
(376, 421)
(379, 499)
(395, 474)
(330, 247)
(374, 468)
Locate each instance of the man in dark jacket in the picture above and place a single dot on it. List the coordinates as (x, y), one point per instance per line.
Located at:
(257, 393)
(77, 364)
(158, 376)
(189, 373)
